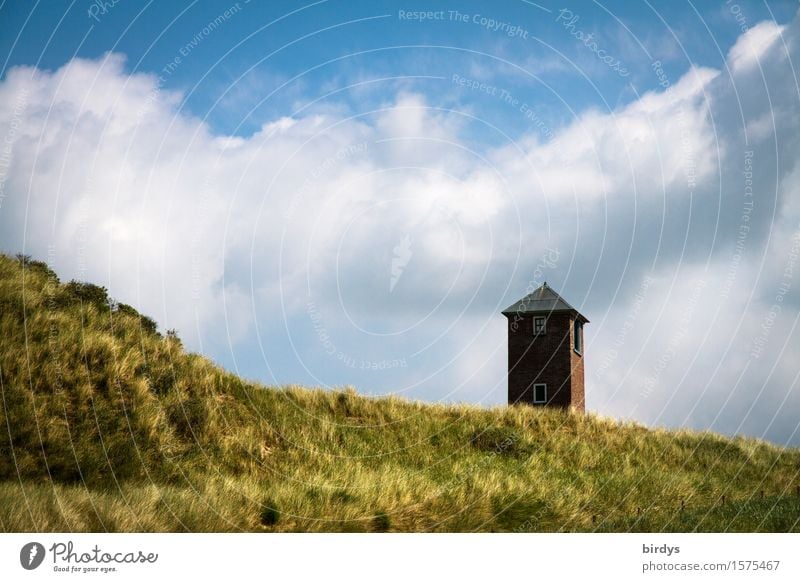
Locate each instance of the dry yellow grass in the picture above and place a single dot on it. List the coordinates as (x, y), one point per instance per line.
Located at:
(109, 426)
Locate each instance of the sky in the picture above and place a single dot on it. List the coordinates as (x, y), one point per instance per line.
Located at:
(349, 193)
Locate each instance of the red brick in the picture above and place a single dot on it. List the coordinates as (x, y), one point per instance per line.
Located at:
(549, 358)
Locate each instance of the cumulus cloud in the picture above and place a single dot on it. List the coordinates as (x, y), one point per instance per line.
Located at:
(277, 253)
(752, 46)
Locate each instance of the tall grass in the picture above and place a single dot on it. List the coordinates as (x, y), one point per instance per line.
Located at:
(108, 425)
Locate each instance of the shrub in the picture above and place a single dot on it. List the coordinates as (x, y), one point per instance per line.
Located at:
(26, 262)
(148, 324)
(496, 440)
(145, 322)
(189, 417)
(381, 522)
(172, 337)
(269, 514)
(79, 292)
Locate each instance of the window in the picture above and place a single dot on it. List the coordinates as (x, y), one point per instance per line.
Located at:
(538, 325)
(539, 393)
(578, 333)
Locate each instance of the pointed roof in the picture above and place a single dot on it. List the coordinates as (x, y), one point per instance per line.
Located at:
(543, 300)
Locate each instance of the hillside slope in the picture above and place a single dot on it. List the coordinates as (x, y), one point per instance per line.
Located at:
(106, 425)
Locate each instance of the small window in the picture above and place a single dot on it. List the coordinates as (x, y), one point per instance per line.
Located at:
(578, 333)
(539, 393)
(539, 325)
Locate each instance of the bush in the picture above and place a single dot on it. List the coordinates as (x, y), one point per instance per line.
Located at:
(148, 324)
(145, 322)
(188, 416)
(495, 439)
(381, 522)
(269, 514)
(172, 337)
(39, 266)
(79, 292)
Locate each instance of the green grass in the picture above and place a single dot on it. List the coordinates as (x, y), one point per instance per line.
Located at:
(106, 425)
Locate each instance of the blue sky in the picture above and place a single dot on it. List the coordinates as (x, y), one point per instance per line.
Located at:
(264, 44)
(345, 193)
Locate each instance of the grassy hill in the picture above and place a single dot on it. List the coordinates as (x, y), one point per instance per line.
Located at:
(107, 425)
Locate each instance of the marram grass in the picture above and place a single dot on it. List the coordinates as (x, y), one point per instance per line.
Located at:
(106, 425)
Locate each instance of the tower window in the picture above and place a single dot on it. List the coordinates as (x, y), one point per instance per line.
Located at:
(539, 393)
(539, 325)
(578, 333)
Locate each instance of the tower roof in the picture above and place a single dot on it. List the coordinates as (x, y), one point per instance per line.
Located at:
(543, 300)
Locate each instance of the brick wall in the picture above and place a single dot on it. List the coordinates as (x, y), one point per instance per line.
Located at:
(548, 358)
(576, 362)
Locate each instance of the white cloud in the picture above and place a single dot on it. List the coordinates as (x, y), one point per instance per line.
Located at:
(217, 235)
(752, 46)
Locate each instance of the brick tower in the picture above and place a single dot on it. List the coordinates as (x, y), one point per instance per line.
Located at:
(545, 351)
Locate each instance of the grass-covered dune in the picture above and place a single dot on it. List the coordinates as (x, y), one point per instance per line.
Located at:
(107, 425)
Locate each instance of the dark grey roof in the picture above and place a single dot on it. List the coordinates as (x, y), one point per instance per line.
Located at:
(543, 300)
